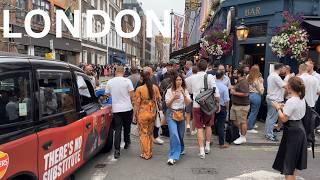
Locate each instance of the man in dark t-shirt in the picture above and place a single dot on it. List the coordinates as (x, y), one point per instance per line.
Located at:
(240, 106)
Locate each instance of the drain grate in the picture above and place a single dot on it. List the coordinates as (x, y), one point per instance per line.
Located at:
(210, 171)
(100, 166)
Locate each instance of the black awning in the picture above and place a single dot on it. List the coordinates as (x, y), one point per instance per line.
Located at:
(312, 25)
(186, 53)
(315, 23)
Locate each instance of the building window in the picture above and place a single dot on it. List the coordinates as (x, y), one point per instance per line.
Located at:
(85, 56)
(41, 51)
(84, 27)
(93, 3)
(43, 5)
(22, 5)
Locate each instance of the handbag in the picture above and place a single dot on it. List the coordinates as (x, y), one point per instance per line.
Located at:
(178, 115)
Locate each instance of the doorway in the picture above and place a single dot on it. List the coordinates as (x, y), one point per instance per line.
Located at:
(254, 54)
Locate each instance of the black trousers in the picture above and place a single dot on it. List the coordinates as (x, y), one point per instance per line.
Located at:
(122, 119)
(155, 132)
(219, 125)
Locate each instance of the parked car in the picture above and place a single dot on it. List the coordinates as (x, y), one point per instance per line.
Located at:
(51, 122)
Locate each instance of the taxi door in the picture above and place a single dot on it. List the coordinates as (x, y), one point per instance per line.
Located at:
(95, 126)
(18, 140)
(60, 130)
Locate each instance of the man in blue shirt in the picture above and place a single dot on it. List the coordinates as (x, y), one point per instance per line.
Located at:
(188, 68)
(224, 103)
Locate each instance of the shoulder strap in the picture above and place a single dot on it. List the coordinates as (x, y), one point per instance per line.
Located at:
(206, 81)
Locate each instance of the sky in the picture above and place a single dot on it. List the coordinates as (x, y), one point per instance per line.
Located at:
(159, 6)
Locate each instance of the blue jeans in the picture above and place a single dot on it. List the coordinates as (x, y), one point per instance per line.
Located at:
(176, 131)
(272, 117)
(220, 122)
(255, 102)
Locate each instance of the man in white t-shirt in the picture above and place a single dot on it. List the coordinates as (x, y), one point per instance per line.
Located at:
(312, 85)
(275, 92)
(122, 93)
(195, 84)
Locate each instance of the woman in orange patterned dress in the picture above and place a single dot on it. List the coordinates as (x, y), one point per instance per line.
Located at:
(147, 96)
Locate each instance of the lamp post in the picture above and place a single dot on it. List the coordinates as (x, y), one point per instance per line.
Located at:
(171, 14)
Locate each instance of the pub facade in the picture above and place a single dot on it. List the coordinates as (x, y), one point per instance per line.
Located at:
(262, 17)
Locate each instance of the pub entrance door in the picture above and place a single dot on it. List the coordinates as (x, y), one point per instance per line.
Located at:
(254, 54)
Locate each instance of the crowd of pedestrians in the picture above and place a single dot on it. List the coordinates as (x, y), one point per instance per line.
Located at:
(172, 89)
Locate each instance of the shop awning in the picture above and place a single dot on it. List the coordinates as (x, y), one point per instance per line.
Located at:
(186, 53)
(312, 25)
(315, 23)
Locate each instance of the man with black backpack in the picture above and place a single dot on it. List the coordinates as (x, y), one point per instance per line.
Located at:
(203, 120)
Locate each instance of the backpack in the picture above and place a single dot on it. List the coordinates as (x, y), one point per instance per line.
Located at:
(310, 122)
(206, 98)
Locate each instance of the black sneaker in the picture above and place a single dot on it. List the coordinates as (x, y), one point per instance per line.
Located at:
(188, 131)
(116, 154)
(126, 145)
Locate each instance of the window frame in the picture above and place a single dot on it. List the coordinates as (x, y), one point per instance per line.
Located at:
(31, 95)
(44, 118)
(21, 12)
(93, 96)
(40, 4)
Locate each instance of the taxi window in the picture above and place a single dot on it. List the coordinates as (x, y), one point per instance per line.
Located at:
(56, 92)
(85, 89)
(15, 97)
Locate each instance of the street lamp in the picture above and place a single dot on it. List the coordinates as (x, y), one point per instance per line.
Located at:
(171, 14)
(242, 31)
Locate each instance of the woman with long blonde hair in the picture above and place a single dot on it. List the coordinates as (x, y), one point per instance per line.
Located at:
(256, 89)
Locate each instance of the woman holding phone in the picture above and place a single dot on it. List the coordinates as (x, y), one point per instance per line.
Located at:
(177, 98)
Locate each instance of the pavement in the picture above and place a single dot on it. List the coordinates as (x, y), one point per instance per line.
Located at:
(251, 161)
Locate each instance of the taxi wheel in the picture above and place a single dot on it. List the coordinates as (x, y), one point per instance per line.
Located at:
(108, 146)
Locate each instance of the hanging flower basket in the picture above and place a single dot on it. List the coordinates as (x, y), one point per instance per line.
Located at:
(291, 40)
(216, 43)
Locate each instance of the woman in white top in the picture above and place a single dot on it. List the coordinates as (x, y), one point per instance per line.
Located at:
(292, 153)
(256, 89)
(177, 98)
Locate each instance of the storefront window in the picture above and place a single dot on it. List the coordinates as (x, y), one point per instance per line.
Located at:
(41, 51)
(43, 5)
(21, 8)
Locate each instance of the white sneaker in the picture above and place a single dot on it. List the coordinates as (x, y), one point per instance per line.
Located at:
(202, 156)
(207, 150)
(318, 130)
(240, 140)
(183, 153)
(252, 131)
(309, 149)
(194, 132)
(255, 126)
(171, 162)
(158, 141)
